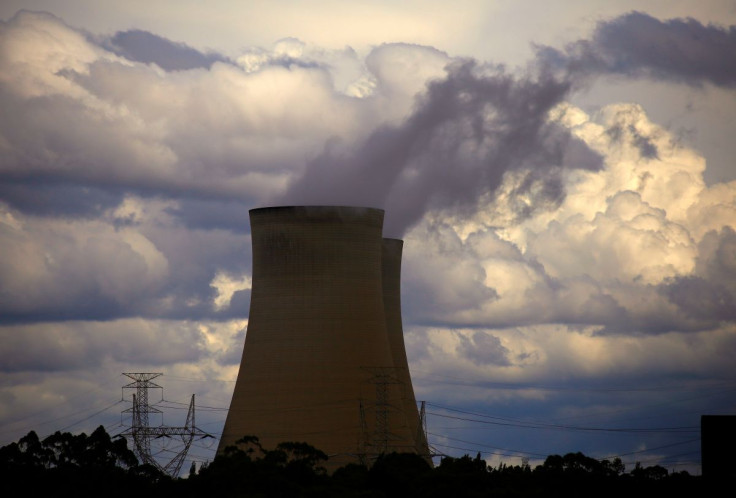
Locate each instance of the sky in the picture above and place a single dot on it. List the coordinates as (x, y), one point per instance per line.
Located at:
(562, 175)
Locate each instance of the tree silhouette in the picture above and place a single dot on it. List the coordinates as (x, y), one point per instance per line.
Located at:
(64, 464)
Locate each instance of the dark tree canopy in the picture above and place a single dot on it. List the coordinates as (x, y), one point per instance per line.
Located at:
(64, 464)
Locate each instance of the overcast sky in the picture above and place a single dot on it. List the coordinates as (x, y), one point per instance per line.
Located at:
(562, 174)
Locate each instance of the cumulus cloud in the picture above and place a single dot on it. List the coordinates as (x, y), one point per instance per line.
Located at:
(80, 117)
(513, 195)
(625, 252)
(639, 45)
(542, 362)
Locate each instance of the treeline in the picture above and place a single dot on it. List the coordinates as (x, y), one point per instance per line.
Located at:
(64, 464)
(79, 465)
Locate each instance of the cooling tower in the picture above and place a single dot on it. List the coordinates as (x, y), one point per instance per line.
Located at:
(392, 249)
(319, 364)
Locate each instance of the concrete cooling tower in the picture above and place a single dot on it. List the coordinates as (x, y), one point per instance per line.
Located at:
(324, 359)
(391, 264)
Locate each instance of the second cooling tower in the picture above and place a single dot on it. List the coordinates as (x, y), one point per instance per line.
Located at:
(320, 364)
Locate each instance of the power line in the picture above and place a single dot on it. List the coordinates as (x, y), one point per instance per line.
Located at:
(93, 415)
(649, 450)
(515, 386)
(472, 418)
(509, 452)
(502, 421)
(199, 407)
(190, 379)
(716, 391)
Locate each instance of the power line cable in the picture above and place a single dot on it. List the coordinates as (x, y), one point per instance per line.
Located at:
(92, 415)
(649, 450)
(484, 445)
(503, 421)
(718, 385)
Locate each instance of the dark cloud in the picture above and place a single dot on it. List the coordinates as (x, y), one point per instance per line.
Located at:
(707, 297)
(66, 346)
(143, 46)
(649, 323)
(57, 140)
(576, 153)
(466, 132)
(195, 256)
(484, 349)
(638, 45)
(149, 48)
(42, 198)
(717, 261)
(212, 214)
(701, 299)
(83, 304)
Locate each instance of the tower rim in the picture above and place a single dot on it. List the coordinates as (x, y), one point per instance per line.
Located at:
(316, 207)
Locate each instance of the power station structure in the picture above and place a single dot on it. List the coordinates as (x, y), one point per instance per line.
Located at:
(324, 360)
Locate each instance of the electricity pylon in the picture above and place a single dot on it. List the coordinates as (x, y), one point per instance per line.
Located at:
(377, 443)
(382, 378)
(142, 432)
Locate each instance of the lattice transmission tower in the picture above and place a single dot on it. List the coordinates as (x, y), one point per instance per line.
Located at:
(382, 378)
(142, 433)
(371, 445)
